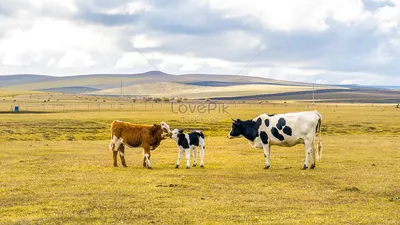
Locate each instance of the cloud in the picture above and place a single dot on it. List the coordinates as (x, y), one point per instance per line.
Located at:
(290, 15)
(131, 60)
(77, 59)
(321, 41)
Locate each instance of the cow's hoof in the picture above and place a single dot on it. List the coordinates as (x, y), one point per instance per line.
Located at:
(304, 167)
(149, 168)
(312, 167)
(177, 166)
(188, 167)
(115, 165)
(202, 166)
(194, 165)
(265, 156)
(124, 165)
(267, 167)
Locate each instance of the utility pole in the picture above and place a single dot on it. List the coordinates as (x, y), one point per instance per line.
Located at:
(120, 97)
(313, 95)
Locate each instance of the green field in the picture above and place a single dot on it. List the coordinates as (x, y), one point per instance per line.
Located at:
(55, 168)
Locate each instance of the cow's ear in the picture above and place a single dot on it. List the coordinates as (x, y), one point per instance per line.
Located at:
(180, 131)
(155, 125)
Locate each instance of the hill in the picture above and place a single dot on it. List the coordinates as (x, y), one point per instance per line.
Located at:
(197, 86)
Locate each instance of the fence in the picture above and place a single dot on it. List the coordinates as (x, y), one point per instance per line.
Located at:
(67, 107)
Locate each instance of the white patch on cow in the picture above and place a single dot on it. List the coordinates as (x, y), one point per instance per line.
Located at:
(174, 134)
(256, 143)
(147, 160)
(166, 130)
(201, 155)
(180, 152)
(194, 155)
(121, 154)
(119, 121)
(187, 154)
(114, 142)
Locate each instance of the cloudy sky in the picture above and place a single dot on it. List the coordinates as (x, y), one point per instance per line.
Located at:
(324, 41)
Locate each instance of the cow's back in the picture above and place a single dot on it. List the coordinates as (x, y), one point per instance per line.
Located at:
(290, 128)
(131, 134)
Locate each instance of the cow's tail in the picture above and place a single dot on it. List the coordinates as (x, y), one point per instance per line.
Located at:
(112, 144)
(318, 130)
(201, 135)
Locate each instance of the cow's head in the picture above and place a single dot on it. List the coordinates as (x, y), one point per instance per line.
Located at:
(236, 130)
(166, 131)
(248, 129)
(175, 132)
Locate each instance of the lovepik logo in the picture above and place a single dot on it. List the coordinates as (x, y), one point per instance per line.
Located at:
(201, 108)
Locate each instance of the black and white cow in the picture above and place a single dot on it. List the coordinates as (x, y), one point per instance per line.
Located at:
(283, 130)
(187, 142)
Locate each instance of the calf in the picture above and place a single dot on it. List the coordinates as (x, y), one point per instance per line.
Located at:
(283, 130)
(135, 135)
(187, 142)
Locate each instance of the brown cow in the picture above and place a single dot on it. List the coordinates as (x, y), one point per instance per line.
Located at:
(135, 135)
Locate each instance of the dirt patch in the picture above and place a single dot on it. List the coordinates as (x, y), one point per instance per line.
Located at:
(351, 189)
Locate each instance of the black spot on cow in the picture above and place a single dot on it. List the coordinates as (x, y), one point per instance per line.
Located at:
(259, 121)
(266, 121)
(276, 134)
(194, 138)
(271, 115)
(287, 130)
(264, 137)
(281, 123)
(182, 141)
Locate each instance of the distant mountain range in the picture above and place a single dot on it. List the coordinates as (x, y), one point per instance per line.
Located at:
(215, 86)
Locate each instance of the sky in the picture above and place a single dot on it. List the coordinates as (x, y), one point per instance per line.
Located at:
(319, 41)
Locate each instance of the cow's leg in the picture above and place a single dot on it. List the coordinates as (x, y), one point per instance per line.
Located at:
(180, 152)
(194, 156)
(187, 153)
(114, 146)
(266, 148)
(115, 158)
(313, 151)
(308, 148)
(201, 156)
(146, 157)
(122, 154)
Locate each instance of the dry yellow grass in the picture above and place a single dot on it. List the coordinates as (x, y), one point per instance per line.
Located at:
(55, 168)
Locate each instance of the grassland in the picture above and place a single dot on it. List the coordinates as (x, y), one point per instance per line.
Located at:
(55, 168)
